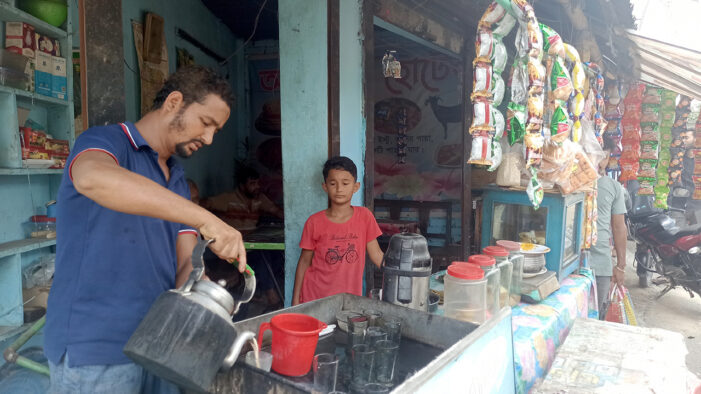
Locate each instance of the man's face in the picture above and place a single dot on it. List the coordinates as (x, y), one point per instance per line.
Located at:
(195, 125)
(687, 138)
(252, 188)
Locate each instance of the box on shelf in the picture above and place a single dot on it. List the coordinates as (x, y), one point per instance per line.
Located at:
(20, 39)
(43, 73)
(47, 44)
(59, 81)
(32, 138)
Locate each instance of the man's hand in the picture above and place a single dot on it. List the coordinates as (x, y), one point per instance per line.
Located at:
(618, 275)
(228, 243)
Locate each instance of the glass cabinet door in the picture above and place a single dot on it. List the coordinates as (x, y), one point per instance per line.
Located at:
(516, 222)
(570, 249)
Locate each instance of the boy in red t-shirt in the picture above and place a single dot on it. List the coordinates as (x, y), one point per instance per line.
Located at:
(334, 240)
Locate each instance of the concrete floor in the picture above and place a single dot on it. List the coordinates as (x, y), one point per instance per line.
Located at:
(675, 311)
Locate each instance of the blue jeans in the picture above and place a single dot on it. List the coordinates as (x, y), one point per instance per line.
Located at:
(103, 379)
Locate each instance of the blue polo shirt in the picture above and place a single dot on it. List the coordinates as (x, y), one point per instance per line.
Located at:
(110, 266)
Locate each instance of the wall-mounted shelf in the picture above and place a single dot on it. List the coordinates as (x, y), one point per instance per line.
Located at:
(12, 14)
(24, 245)
(23, 95)
(31, 171)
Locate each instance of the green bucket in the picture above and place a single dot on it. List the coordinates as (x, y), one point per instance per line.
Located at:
(53, 12)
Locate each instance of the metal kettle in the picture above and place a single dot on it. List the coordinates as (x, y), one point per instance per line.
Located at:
(406, 269)
(187, 335)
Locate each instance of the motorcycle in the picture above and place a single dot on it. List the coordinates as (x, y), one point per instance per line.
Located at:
(663, 247)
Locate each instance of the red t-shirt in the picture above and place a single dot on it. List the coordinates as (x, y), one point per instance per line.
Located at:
(339, 253)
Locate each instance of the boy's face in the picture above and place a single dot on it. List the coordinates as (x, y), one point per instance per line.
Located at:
(340, 186)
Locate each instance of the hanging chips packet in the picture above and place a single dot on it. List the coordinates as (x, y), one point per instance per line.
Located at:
(515, 122)
(560, 81)
(552, 42)
(559, 125)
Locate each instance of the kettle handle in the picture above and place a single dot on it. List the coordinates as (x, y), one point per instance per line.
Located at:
(265, 326)
(197, 264)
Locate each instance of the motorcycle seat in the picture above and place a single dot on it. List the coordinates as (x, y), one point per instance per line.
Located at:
(689, 230)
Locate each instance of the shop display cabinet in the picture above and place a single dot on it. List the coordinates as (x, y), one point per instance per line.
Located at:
(24, 191)
(509, 214)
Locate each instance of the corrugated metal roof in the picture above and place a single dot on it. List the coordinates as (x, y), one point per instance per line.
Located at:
(668, 65)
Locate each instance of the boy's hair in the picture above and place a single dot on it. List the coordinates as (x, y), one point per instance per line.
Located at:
(340, 163)
(195, 83)
(244, 173)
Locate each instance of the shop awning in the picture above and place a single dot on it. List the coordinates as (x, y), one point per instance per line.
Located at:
(668, 65)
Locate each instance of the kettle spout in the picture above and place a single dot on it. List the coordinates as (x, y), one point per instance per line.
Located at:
(235, 350)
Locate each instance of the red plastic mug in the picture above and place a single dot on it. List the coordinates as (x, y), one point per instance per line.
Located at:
(294, 340)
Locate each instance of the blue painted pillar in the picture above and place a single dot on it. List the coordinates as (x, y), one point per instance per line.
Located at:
(304, 102)
(352, 118)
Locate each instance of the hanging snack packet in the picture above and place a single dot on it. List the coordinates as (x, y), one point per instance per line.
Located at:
(647, 186)
(612, 142)
(629, 169)
(577, 104)
(533, 146)
(631, 131)
(515, 122)
(483, 117)
(535, 37)
(560, 82)
(504, 26)
(482, 81)
(498, 89)
(669, 99)
(499, 57)
(650, 114)
(484, 45)
(614, 163)
(559, 125)
(578, 76)
(662, 176)
(613, 111)
(492, 15)
(534, 190)
(648, 149)
(496, 155)
(649, 132)
(482, 152)
(647, 168)
(635, 93)
(652, 95)
(552, 42)
(577, 130)
(519, 82)
(536, 76)
(535, 109)
(667, 116)
(661, 194)
(571, 53)
(665, 158)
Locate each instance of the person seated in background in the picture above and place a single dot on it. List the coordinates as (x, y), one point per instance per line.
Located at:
(245, 205)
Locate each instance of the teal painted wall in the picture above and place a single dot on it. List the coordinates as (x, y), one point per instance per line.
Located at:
(352, 117)
(303, 78)
(212, 167)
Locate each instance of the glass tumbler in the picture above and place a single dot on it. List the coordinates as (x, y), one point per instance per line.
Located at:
(325, 367)
(374, 335)
(393, 327)
(363, 363)
(356, 330)
(385, 361)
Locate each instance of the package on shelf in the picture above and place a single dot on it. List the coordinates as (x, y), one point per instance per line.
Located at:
(32, 138)
(47, 44)
(59, 81)
(19, 38)
(43, 73)
(59, 160)
(57, 146)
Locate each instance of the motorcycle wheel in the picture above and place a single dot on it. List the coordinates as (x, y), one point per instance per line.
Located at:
(644, 276)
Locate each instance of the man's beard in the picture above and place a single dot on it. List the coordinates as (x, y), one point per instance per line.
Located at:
(177, 125)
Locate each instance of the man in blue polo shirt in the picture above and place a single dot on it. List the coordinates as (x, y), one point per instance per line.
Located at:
(126, 231)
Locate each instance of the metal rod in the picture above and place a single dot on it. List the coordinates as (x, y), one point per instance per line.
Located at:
(11, 355)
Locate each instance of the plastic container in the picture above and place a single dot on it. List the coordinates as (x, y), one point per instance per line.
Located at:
(14, 79)
(294, 340)
(465, 293)
(505, 272)
(516, 257)
(493, 276)
(40, 226)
